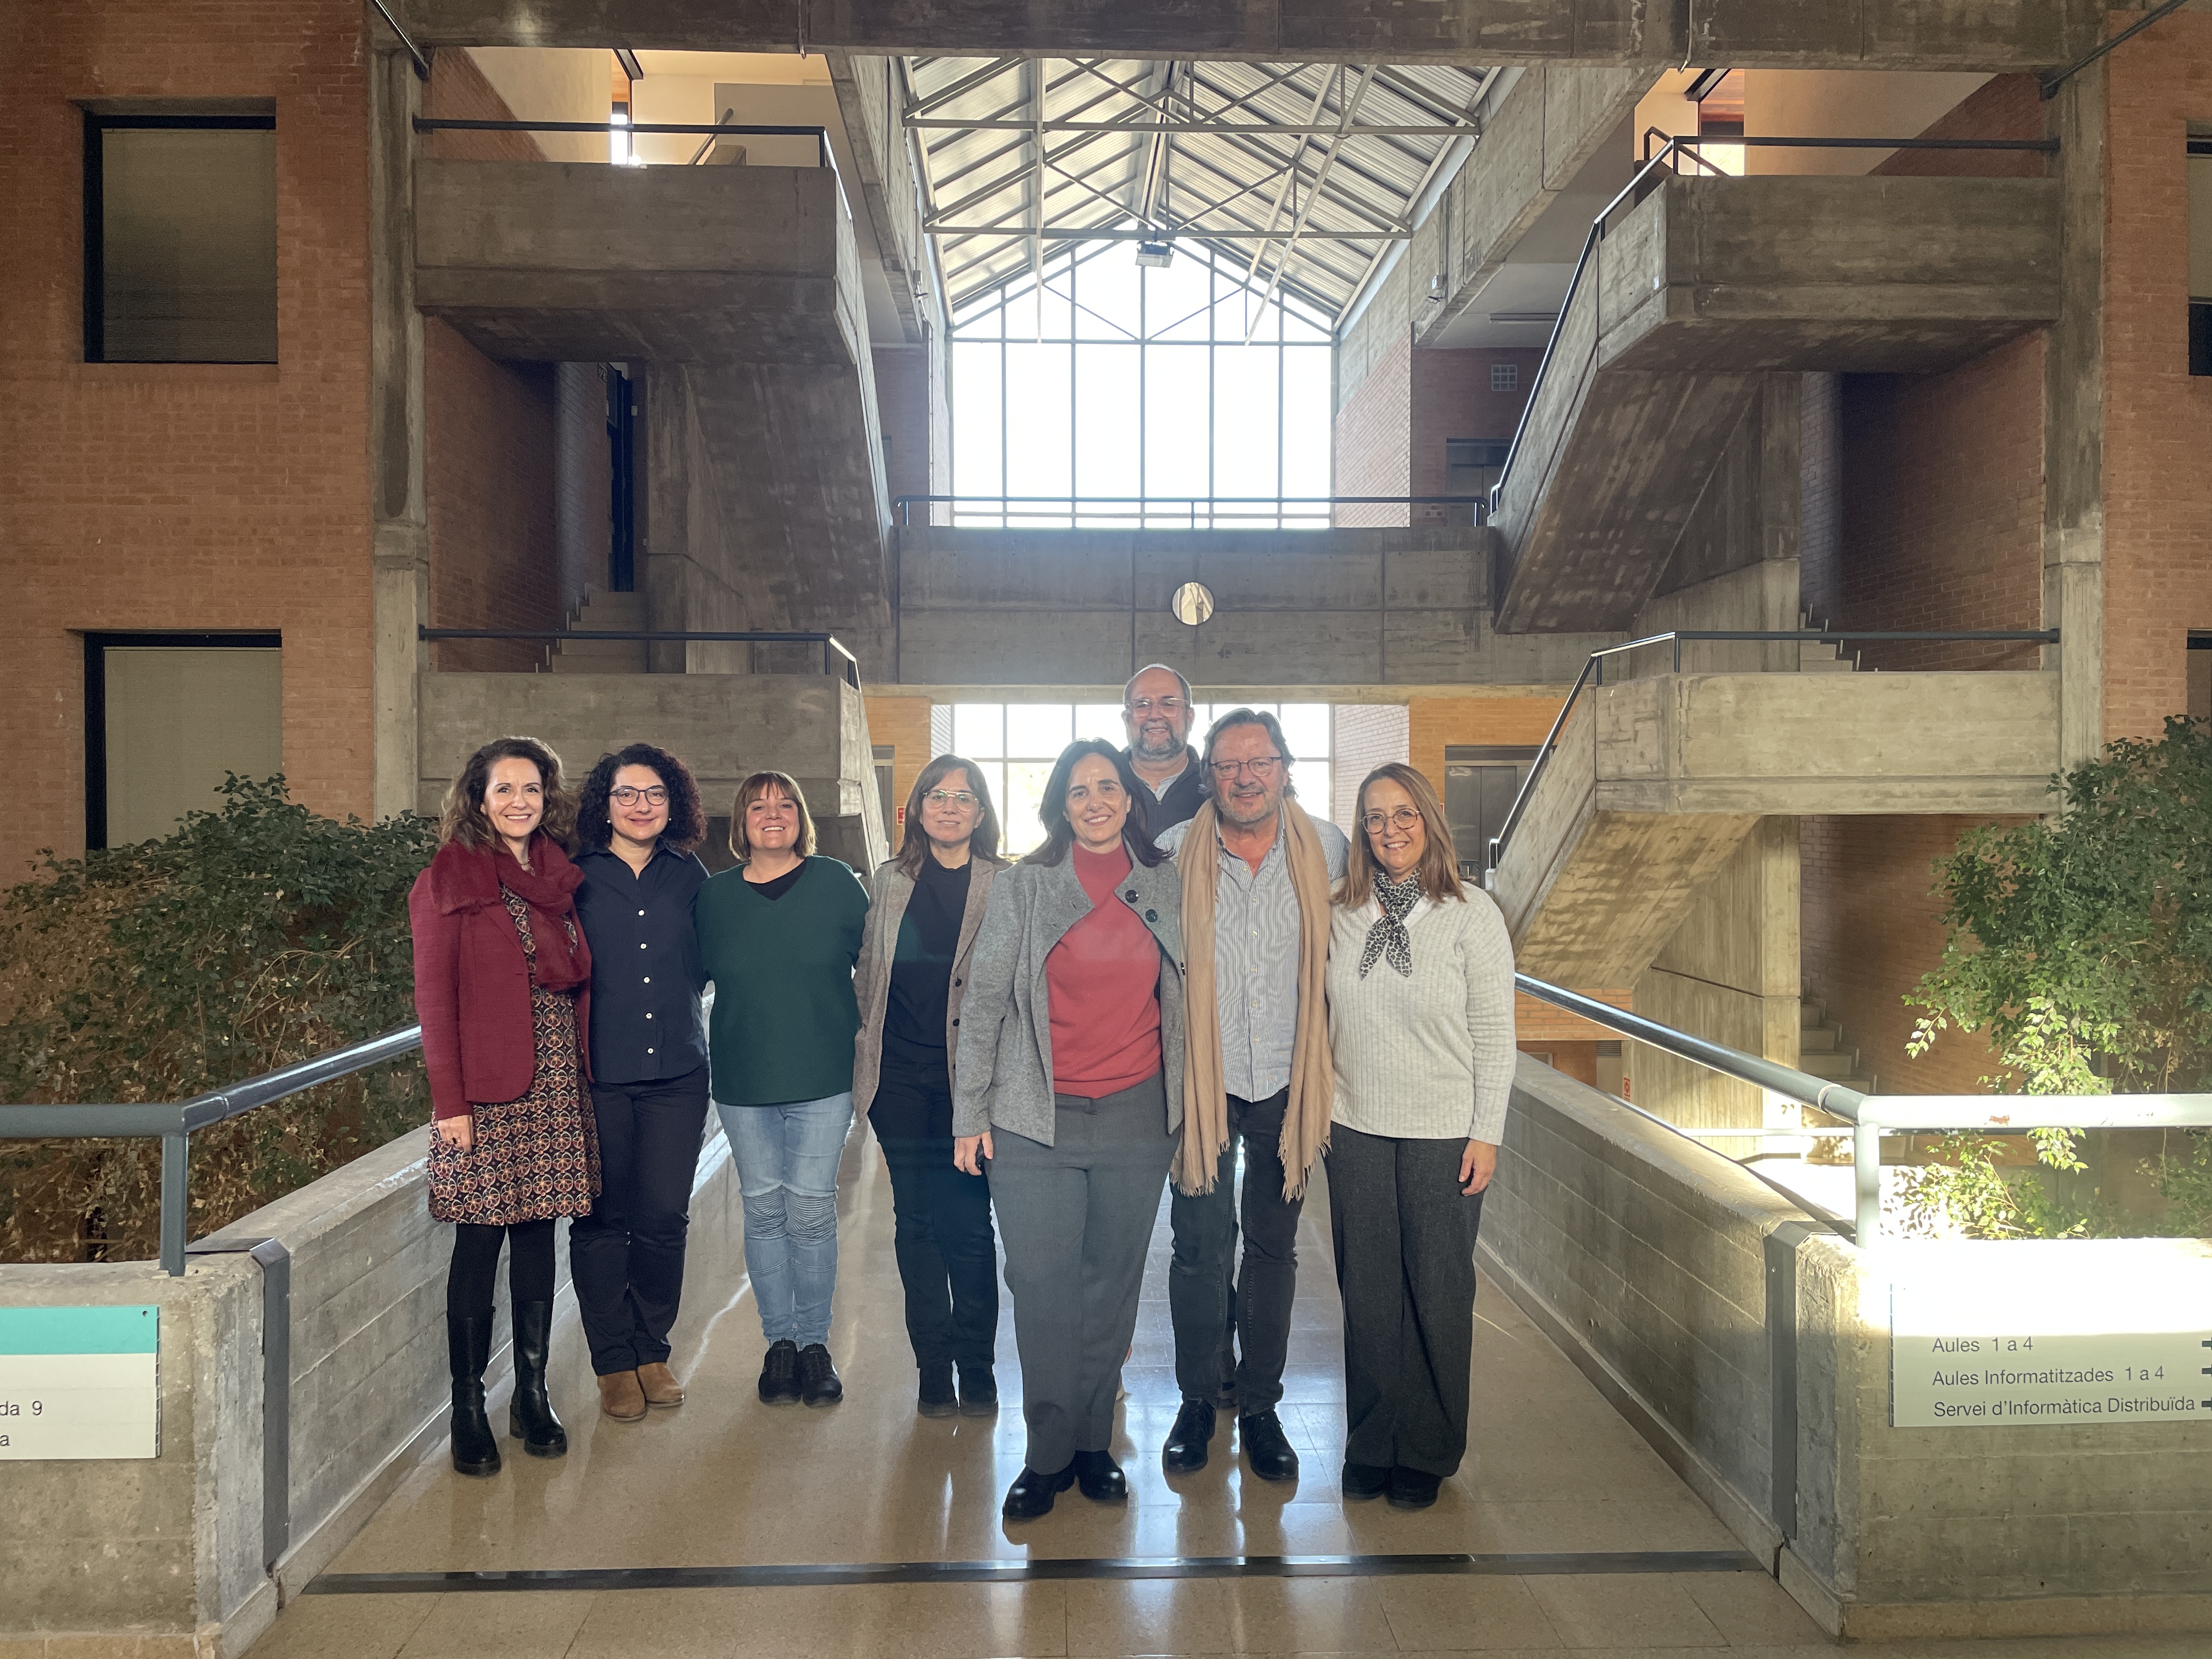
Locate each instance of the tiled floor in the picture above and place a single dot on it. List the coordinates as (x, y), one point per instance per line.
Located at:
(728, 1482)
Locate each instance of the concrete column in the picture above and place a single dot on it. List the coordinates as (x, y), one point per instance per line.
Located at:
(2074, 423)
(400, 520)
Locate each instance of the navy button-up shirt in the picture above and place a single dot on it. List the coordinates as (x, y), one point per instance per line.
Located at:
(647, 978)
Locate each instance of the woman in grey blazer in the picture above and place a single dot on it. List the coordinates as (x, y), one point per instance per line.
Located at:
(1068, 1085)
(925, 909)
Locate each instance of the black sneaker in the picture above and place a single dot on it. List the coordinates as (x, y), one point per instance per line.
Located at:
(979, 1391)
(936, 1397)
(779, 1378)
(818, 1382)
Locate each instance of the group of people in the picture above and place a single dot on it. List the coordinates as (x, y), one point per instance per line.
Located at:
(1189, 966)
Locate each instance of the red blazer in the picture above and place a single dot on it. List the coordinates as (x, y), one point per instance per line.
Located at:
(472, 981)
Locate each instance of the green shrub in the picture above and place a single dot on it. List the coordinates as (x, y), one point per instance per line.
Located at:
(255, 935)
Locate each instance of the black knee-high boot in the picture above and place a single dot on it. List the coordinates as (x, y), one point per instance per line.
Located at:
(530, 1418)
(468, 1349)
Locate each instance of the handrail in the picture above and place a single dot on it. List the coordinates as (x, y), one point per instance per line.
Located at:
(422, 64)
(1481, 503)
(173, 1123)
(1688, 144)
(1593, 672)
(1871, 1115)
(832, 647)
(449, 124)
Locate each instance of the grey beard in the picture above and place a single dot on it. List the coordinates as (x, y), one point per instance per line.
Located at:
(1139, 750)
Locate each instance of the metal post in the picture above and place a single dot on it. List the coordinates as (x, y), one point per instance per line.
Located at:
(175, 1165)
(1866, 1172)
(1678, 653)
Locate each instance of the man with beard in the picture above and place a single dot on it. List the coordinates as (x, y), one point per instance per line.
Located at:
(1156, 709)
(1256, 873)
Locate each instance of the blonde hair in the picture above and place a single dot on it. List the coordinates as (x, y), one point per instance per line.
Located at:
(750, 791)
(1439, 866)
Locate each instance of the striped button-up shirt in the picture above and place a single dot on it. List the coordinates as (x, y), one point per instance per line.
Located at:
(1255, 960)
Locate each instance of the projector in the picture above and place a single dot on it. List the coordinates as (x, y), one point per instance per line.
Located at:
(1158, 255)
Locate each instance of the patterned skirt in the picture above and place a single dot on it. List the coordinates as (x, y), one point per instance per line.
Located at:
(535, 1157)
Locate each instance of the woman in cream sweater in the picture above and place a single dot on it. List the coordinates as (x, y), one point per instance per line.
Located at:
(1420, 996)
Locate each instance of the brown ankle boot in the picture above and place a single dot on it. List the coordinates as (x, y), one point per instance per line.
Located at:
(621, 1398)
(659, 1384)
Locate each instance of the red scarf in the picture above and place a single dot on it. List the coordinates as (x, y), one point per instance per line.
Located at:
(465, 878)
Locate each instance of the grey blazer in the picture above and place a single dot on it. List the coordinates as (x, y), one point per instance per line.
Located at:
(889, 889)
(1002, 1069)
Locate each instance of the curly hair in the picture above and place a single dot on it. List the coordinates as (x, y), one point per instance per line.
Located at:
(463, 817)
(687, 819)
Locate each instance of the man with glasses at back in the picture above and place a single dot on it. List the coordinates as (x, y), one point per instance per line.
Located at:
(1157, 711)
(1256, 875)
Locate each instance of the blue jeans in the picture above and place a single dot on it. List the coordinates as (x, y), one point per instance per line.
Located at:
(786, 1158)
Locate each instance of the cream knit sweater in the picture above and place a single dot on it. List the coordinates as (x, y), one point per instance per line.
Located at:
(1429, 1057)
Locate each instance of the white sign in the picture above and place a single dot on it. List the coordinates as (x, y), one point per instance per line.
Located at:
(2016, 1349)
(79, 1383)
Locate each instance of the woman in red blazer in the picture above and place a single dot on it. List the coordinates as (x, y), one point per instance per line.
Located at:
(503, 978)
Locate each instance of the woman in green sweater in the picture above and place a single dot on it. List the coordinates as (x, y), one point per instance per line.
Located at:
(778, 936)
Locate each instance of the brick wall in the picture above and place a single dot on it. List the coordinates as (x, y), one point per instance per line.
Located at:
(1435, 723)
(1451, 398)
(2003, 106)
(2157, 488)
(181, 495)
(1371, 439)
(904, 723)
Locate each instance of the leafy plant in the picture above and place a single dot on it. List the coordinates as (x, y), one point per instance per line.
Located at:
(255, 935)
(2083, 947)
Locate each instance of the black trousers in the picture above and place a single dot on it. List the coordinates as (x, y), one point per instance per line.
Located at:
(948, 1255)
(1203, 1303)
(1404, 1235)
(474, 1277)
(627, 1256)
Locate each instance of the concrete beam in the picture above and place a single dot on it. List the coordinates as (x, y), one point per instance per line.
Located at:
(1828, 34)
(1697, 291)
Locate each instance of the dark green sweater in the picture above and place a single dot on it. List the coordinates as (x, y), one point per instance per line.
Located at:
(782, 970)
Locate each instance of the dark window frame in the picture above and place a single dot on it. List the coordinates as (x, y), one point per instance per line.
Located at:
(2200, 307)
(96, 123)
(96, 645)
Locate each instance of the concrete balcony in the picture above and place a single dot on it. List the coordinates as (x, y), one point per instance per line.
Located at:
(573, 262)
(1695, 292)
(1656, 782)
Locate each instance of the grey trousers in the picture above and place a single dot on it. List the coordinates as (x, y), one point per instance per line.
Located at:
(1076, 1218)
(1404, 1235)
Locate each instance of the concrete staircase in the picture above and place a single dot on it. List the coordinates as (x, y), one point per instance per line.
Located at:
(602, 610)
(1824, 1050)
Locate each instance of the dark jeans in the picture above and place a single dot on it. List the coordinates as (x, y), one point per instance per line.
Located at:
(1404, 1235)
(1203, 1301)
(627, 1256)
(948, 1257)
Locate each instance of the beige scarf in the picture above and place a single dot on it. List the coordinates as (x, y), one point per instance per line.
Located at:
(1313, 1077)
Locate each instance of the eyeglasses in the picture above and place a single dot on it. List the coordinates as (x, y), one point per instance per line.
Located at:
(1165, 705)
(629, 795)
(948, 798)
(1262, 768)
(1404, 818)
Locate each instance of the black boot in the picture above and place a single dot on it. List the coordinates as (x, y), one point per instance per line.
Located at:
(468, 1349)
(979, 1391)
(530, 1416)
(937, 1397)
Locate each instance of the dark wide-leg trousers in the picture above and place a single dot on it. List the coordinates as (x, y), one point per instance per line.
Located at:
(1203, 1302)
(1077, 1217)
(1404, 1235)
(627, 1256)
(948, 1259)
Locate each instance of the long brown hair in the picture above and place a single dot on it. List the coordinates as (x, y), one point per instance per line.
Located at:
(463, 817)
(1439, 866)
(982, 841)
(1052, 811)
(750, 791)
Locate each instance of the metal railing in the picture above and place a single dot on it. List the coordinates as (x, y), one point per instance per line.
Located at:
(1147, 510)
(173, 1123)
(1593, 674)
(1872, 1117)
(1647, 177)
(836, 661)
(710, 128)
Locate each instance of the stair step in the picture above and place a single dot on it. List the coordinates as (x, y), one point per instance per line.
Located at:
(1834, 1066)
(1819, 1039)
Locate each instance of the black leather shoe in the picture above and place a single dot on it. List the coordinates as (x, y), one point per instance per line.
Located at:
(1413, 1489)
(1032, 1493)
(979, 1391)
(1100, 1479)
(936, 1397)
(818, 1382)
(530, 1416)
(1266, 1448)
(779, 1377)
(1185, 1451)
(468, 1350)
(1362, 1481)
